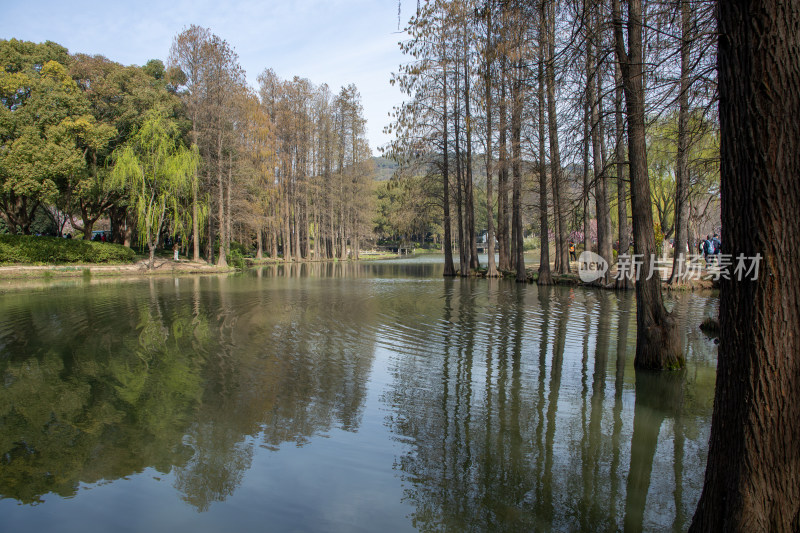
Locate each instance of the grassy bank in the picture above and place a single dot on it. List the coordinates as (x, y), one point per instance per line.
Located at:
(31, 250)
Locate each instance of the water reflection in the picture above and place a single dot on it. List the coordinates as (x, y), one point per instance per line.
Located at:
(105, 386)
(528, 436)
(456, 404)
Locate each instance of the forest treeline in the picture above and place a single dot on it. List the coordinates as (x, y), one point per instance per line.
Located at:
(187, 150)
(518, 110)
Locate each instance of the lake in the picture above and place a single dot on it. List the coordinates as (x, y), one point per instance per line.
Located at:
(373, 396)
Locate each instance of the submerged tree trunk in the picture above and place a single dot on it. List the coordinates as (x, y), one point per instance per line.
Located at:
(752, 480)
(658, 344)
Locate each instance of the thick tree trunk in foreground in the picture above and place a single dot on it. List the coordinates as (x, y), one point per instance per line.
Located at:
(658, 344)
(753, 475)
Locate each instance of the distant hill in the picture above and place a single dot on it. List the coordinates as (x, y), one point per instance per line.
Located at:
(384, 168)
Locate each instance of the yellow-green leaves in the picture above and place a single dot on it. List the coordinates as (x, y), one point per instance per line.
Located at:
(155, 169)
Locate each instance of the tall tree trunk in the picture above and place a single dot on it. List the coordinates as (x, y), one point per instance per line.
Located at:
(463, 249)
(471, 241)
(516, 166)
(228, 185)
(449, 269)
(752, 480)
(545, 276)
(602, 207)
(222, 258)
(623, 247)
(587, 241)
(491, 269)
(502, 175)
(682, 171)
(195, 207)
(287, 214)
(210, 229)
(298, 222)
(559, 198)
(658, 344)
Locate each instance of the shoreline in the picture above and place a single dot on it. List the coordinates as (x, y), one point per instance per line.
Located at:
(170, 267)
(161, 267)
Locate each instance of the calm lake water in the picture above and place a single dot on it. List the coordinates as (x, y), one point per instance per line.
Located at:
(343, 397)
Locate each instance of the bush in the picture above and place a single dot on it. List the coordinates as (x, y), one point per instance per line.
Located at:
(30, 249)
(236, 259)
(243, 250)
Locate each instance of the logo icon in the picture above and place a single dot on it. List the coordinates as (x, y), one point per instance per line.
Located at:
(591, 267)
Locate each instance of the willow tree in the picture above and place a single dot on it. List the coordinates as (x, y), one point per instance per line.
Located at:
(156, 170)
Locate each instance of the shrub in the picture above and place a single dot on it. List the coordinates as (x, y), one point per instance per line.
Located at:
(243, 250)
(236, 259)
(55, 250)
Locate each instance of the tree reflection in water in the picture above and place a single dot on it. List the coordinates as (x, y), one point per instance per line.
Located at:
(494, 399)
(185, 381)
(518, 440)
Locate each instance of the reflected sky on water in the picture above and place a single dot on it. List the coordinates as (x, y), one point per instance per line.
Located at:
(344, 397)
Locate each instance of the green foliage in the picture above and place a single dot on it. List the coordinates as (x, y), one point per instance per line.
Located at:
(703, 163)
(243, 249)
(236, 259)
(16, 249)
(156, 171)
(19, 56)
(42, 117)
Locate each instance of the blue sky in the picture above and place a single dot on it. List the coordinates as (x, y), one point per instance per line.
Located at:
(335, 42)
